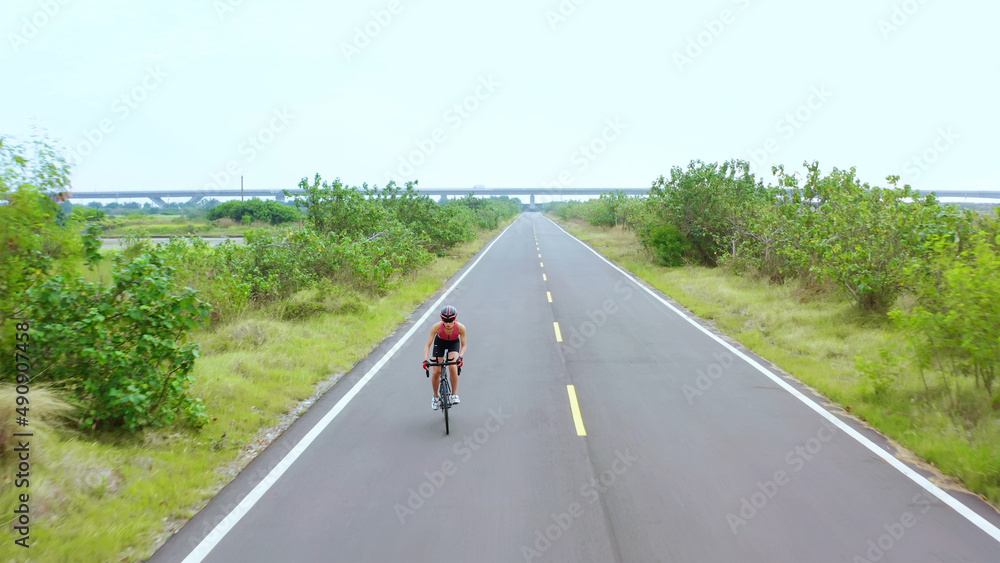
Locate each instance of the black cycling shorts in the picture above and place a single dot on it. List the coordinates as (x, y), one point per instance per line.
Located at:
(442, 346)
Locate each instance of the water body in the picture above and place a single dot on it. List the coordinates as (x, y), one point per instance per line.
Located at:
(214, 241)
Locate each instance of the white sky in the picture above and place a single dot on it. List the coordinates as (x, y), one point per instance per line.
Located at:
(904, 87)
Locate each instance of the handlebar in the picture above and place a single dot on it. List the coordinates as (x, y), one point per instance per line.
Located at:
(427, 373)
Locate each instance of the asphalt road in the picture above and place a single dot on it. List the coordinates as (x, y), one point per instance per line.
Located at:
(685, 448)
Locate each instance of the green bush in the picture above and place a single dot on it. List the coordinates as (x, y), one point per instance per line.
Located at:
(882, 374)
(336, 208)
(122, 351)
(198, 265)
(567, 210)
(456, 224)
(270, 267)
(255, 209)
(612, 209)
(88, 214)
(858, 236)
(953, 327)
(713, 205)
(668, 243)
(37, 239)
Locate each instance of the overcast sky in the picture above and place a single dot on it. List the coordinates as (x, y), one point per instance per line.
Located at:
(578, 93)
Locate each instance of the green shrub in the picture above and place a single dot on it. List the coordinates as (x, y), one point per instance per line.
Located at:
(858, 236)
(668, 243)
(882, 374)
(37, 239)
(87, 214)
(713, 205)
(255, 209)
(121, 351)
(567, 210)
(270, 266)
(199, 266)
(403, 224)
(953, 327)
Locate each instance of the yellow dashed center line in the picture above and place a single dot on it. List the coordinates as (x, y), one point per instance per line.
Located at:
(542, 264)
(575, 406)
(558, 333)
(544, 278)
(549, 295)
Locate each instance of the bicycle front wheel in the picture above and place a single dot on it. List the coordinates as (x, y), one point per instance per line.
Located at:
(445, 391)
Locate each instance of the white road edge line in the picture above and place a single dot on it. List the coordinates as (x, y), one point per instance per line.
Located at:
(222, 528)
(931, 488)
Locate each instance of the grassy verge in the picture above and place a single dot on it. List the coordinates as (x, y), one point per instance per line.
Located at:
(816, 336)
(113, 498)
(178, 225)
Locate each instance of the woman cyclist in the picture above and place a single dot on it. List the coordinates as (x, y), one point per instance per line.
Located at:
(447, 337)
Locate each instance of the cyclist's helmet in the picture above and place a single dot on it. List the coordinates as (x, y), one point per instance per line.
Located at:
(448, 314)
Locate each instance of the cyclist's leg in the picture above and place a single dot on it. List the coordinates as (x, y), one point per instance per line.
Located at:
(437, 356)
(436, 377)
(453, 349)
(453, 372)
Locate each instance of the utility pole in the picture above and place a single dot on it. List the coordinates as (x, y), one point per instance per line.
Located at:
(241, 188)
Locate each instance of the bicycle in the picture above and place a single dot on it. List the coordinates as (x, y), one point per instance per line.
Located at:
(444, 387)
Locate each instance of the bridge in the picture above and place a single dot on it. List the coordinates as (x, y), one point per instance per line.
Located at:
(194, 196)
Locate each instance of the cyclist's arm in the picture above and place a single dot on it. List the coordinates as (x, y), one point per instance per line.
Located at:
(461, 332)
(430, 341)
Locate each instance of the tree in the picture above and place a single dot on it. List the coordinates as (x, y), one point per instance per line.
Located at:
(858, 236)
(711, 205)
